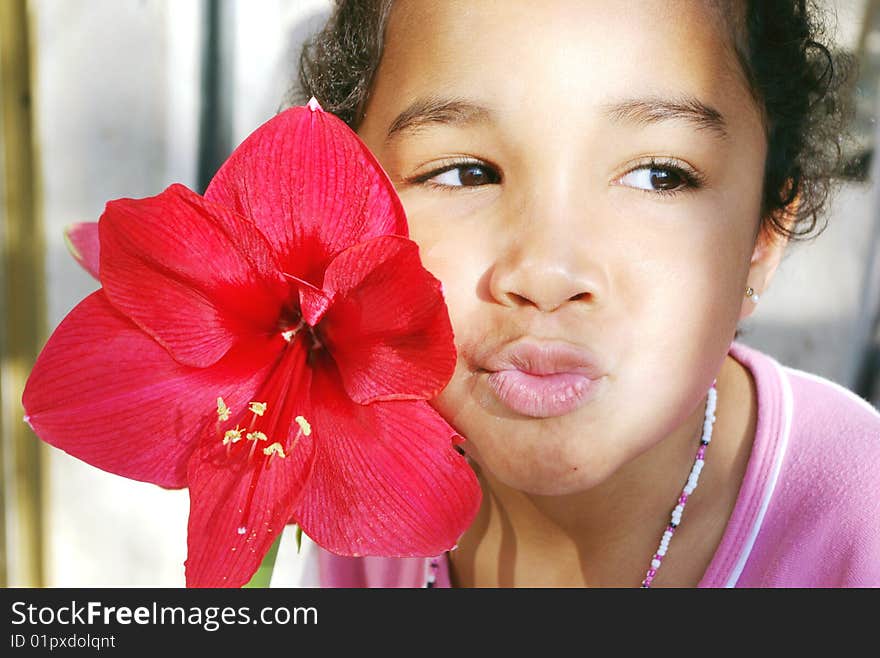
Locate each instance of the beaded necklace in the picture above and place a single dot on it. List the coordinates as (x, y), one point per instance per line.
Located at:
(432, 566)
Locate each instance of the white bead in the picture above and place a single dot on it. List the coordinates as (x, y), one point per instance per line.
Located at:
(694, 476)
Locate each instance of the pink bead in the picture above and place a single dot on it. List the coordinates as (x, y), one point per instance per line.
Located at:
(652, 573)
(683, 499)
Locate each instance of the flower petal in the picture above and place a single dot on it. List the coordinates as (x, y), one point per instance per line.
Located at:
(194, 275)
(226, 545)
(241, 498)
(387, 328)
(387, 479)
(312, 187)
(82, 242)
(108, 394)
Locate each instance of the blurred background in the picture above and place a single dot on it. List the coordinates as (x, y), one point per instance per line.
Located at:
(101, 99)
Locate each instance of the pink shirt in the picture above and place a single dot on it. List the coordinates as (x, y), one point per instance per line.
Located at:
(808, 510)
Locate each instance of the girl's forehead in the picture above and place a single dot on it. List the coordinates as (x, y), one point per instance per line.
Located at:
(570, 45)
(573, 54)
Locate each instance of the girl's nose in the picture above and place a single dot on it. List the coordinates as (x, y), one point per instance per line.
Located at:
(546, 269)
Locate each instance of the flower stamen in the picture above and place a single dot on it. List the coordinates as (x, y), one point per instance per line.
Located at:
(304, 426)
(258, 408)
(255, 436)
(232, 436)
(305, 429)
(290, 333)
(272, 451)
(222, 410)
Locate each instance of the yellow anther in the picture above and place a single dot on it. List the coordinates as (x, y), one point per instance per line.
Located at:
(232, 436)
(259, 408)
(256, 436)
(222, 410)
(303, 425)
(274, 449)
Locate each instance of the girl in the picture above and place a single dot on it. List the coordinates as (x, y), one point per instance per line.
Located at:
(605, 191)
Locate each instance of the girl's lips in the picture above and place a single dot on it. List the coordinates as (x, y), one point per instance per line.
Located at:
(543, 379)
(542, 396)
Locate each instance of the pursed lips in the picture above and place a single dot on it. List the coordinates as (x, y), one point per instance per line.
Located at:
(543, 379)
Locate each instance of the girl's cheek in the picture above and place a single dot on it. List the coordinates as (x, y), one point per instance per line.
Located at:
(453, 239)
(460, 275)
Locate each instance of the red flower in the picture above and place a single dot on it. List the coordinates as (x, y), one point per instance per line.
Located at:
(271, 346)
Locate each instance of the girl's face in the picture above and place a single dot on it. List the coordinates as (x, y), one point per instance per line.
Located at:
(584, 177)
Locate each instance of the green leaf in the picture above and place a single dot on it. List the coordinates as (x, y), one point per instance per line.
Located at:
(264, 573)
(299, 538)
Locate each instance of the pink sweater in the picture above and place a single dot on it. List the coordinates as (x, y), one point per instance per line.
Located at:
(808, 511)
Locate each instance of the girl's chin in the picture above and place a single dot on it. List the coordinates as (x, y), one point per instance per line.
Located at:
(537, 474)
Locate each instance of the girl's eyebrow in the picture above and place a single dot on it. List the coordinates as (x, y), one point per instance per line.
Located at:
(653, 110)
(646, 111)
(436, 109)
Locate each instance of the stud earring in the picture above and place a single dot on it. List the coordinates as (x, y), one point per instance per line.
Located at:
(751, 294)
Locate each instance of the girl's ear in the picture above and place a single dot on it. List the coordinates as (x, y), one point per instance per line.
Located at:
(766, 256)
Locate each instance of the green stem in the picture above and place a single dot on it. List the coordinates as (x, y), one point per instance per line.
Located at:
(264, 573)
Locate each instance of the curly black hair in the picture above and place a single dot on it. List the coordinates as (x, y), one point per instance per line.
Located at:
(782, 46)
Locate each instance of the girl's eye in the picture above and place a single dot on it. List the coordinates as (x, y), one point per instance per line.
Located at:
(468, 174)
(659, 178)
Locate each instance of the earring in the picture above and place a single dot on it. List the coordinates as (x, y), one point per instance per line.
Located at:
(751, 294)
